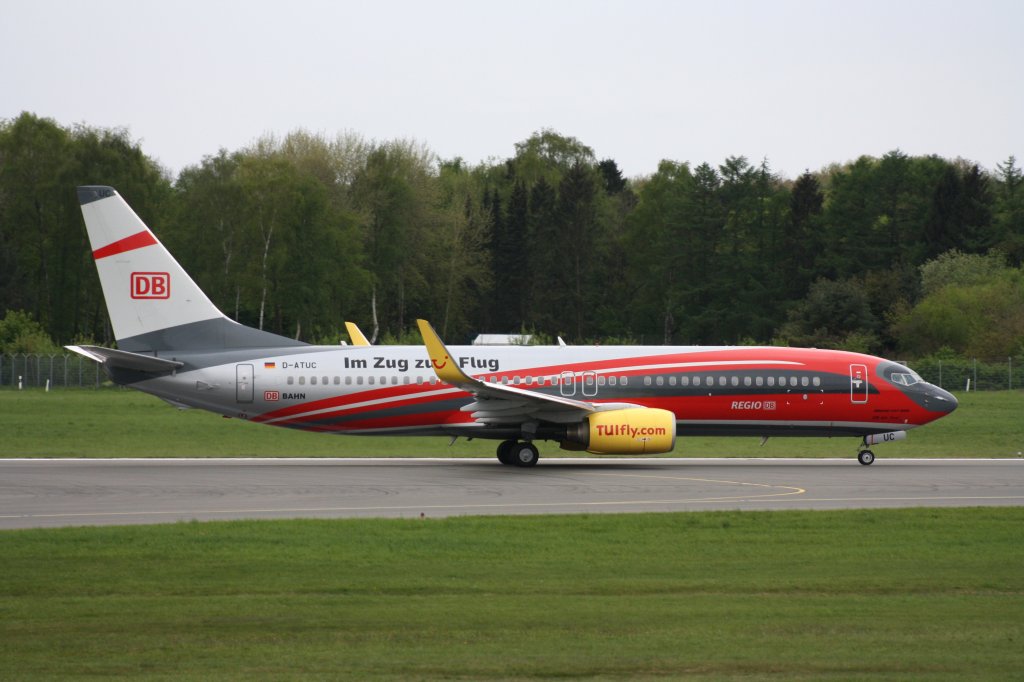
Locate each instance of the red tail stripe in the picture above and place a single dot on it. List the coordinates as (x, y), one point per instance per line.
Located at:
(135, 241)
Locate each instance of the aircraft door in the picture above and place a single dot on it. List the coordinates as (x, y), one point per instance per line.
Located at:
(858, 384)
(567, 384)
(589, 387)
(243, 383)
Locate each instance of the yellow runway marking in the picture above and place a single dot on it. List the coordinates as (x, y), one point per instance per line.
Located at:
(794, 490)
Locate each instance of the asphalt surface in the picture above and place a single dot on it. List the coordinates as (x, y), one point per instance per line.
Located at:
(49, 493)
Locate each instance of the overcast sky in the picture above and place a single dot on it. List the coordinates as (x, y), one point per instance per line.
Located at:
(803, 83)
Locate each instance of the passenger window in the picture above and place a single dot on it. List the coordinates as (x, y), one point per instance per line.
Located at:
(324, 381)
(302, 381)
(394, 380)
(348, 381)
(406, 380)
(759, 381)
(660, 381)
(611, 381)
(419, 381)
(647, 381)
(735, 381)
(337, 381)
(370, 381)
(804, 381)
(696, 380)
(817, 381)
(600, 381)
(291, 380)
(672, 380)
(623, 381)
(312, 381)
(792, 381)
(771, 381)
(746, 381)
(433, 381)
(359, 381)
(721, 381)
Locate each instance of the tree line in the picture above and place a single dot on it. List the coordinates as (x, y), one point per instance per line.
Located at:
(898, 254)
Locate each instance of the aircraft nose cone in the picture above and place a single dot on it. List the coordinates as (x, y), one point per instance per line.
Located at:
(941, 400)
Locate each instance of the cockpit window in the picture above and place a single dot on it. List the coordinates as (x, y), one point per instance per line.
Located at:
(906, 378)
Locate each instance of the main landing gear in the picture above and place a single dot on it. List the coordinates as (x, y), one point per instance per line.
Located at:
(521, 454)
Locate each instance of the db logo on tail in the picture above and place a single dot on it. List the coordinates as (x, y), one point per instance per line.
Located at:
(151, 285)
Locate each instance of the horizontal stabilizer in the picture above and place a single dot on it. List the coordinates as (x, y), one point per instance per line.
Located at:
(122, 359)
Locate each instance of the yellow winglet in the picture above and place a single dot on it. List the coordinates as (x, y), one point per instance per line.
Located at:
(443, 363)
(356, 334)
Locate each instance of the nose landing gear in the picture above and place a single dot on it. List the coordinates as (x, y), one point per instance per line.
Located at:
(865, 457)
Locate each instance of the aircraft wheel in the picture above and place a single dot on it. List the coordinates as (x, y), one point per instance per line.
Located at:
(505, 452)
(865, 457)
(525, 454)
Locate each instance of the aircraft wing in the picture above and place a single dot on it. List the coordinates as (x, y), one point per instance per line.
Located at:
(500, 404)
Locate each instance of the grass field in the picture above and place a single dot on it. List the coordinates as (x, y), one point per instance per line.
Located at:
(854, 595)
(125, 423)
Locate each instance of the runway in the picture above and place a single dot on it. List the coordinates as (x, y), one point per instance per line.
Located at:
(49, 493)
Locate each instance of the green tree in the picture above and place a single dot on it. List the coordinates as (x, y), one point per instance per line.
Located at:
(972, 304)
(511, 268)
(802, 242)
(396, 196)
(36, 216)
(1008, 219)
(955, 268)
(461, 247)
(614, 183)
(835, 314)
(549, 155)
(659, 263)
(580, 242)
(210, 232)
(20, 333)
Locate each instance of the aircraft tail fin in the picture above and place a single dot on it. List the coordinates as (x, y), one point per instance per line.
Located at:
(152, 302)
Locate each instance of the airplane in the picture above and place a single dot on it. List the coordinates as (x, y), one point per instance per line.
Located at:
(174, 343)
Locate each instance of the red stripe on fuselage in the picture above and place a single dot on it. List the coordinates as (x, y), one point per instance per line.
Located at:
(135, 241)
(347, 412)
(400, 394)
(393, 422)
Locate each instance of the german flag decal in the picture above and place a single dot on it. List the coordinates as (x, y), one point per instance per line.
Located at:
(269, 365)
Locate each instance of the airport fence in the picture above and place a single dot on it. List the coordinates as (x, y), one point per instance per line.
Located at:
(31, 370)
(975, 374)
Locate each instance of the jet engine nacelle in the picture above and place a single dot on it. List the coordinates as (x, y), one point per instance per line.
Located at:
(630, 431)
